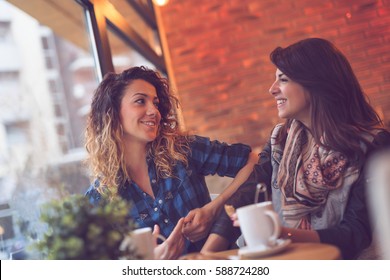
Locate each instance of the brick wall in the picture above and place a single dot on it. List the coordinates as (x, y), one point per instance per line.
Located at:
(220, 56)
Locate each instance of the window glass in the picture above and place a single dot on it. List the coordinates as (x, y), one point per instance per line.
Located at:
(148, 32)
(47, 79)
(124, 56)
(4, 30)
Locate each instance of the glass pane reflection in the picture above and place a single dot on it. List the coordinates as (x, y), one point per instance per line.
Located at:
(125, 56)
(46, 86)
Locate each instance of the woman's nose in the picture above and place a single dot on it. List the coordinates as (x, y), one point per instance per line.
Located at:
(274, 88)
(152, 110)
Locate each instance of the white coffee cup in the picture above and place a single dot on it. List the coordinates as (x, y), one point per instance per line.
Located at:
(260, 224)
(143, 241)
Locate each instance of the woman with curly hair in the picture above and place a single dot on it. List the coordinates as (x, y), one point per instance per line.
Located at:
(137, 151)
(313, 163)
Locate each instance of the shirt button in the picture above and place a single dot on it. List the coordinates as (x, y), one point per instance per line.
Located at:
(160, 201)
(155, 209)
(144, 193)
(166, 221)
(153, 181)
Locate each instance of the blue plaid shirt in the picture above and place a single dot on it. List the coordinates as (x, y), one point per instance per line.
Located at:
(186, 190)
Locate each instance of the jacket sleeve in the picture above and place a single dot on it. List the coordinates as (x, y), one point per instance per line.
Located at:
(354, 232)
(244, 195)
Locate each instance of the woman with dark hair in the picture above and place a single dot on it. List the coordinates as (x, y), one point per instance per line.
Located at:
(313, 163)
(137, 151)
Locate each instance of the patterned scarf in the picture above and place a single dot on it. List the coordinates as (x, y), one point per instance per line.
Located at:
(307, 173)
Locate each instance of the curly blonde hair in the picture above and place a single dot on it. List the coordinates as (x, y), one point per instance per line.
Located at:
(104, 131)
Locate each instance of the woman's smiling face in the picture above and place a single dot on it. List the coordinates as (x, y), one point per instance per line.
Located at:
(292, 99)
(140, 117)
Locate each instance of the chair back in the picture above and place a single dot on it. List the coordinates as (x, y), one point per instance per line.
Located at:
(378, 191)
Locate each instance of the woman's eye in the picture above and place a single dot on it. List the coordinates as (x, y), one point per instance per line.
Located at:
(140, 101)
(283, 80)
(156, 104)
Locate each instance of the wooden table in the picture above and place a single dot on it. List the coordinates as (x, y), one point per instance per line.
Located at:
(295, 251)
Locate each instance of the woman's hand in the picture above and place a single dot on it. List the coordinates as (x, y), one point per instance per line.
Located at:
(173, 247)
(198, 222)
(234, 218)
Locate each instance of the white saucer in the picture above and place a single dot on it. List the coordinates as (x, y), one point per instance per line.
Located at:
(262, 250)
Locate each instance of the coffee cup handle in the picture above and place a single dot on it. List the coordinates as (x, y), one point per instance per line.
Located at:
(277, 230)
(159, 236)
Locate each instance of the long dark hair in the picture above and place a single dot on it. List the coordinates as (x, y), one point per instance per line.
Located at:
(341, 114)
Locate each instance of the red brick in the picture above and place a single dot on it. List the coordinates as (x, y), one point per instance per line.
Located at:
(220, 56)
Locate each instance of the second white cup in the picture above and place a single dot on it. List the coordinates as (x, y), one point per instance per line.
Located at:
(143, 241)
(260, 224)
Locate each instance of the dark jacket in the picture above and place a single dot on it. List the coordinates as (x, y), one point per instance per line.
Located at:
(351, 235)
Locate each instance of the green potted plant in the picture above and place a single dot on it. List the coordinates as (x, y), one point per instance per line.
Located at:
(79, 230)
